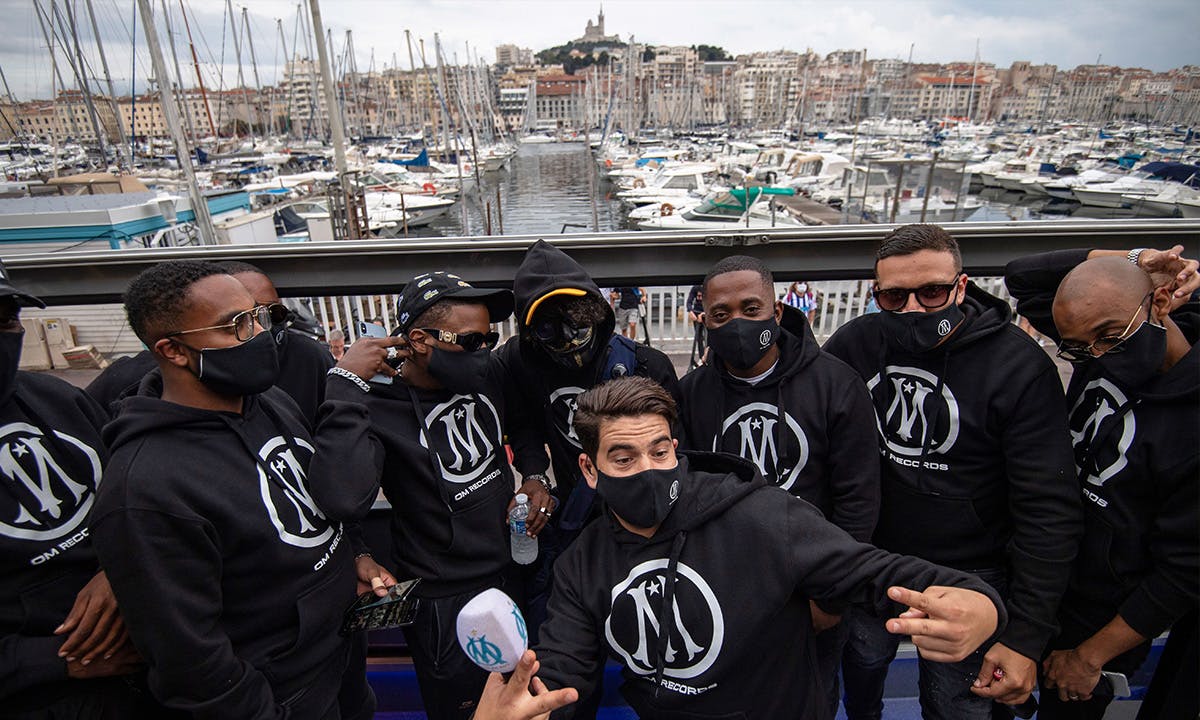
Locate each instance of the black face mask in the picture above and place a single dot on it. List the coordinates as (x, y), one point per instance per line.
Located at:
(742, 343)
(575, 357)
(1140, 358)
(460, 372)
(920, 332)
(10, 360)
(244, 369)
(279, 335)
(643, 499)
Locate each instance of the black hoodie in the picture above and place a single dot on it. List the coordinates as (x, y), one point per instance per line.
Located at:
(824, 452)
(51, 460)
(736, 648)
(990, 486)
(449, 498)
(231, 580)
(541, 393)
(1138, 469)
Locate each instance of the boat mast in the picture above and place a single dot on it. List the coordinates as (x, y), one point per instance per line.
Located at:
(335, 116)
(254, 67)
(183, 98)
(183, 154)
(237, 52)
(112, 93)
(37, 6)
(971, 95)
(81, 77)
(196, 62)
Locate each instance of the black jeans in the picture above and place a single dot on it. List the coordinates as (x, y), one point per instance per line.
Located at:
(450, 683)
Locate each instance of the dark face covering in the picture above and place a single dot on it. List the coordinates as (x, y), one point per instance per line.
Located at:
(460, 372)
(10, 360)
(1140, 357)
(920, 332)
(279, 335)
(742, 343)
(248, 368)
(642, 499)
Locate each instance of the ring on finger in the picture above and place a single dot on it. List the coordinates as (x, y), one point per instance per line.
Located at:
(392, 353)
(542, 510)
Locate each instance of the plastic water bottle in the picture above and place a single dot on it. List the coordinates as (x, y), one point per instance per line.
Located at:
(524, 548)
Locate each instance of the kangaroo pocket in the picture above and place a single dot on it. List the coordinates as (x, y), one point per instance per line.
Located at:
(940, 528)
(44, 606)
(478, 536)
(318, 616)
(1109, 563)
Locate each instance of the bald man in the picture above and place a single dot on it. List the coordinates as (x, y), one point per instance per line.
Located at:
(1125, 320)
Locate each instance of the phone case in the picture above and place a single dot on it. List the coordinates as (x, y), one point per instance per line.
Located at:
(371, 612)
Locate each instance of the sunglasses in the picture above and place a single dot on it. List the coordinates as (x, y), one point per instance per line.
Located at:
(280, 313)
(242, 324)
(561, 336)
(1077, 352)
(469, 342)
(929, 297)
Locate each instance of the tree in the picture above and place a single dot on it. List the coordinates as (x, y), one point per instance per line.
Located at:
(711, 53)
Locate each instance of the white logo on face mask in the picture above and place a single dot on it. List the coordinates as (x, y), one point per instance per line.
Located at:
(697, 627)
(563, 403)
(47, 502)
(471, 427)
(674, 491)
(292, 510)
(904, 424)
(1096, 406)
(944, 328)
(750, 431)
(764, 338)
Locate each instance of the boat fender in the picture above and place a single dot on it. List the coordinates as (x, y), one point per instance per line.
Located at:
(429, 188)
(607, 162)
(666, 210)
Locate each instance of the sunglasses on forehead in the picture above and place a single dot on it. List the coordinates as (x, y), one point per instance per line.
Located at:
(930, 297)
(469, 342)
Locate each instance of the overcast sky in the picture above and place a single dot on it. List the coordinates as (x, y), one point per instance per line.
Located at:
(1156, 34)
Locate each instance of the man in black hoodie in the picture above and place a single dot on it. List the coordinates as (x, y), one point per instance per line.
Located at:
(231, 579)
(976, 467)
(1134, 398)
(62, 641)
(566, 345)
(302, 361)
(770, 395)
(697, 581)
(434, 443)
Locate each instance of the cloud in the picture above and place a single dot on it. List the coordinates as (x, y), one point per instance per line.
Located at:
(1155, 35)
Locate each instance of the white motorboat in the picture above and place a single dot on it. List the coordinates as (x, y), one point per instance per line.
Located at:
(1118, 194)
(672, 182)
(729, 211)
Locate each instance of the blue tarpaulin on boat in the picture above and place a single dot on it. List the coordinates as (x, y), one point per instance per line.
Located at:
(421, 160)
(1179, 172)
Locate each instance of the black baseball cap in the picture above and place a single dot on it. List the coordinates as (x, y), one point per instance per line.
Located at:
(7, 290)
(427, 289)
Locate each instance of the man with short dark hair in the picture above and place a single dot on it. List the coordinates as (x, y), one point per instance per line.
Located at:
(63, 647)
(698, 578)
(1125, 320)
(231, 579)
(771, 396)
(976, 466)
(302, 361)
(434, 442)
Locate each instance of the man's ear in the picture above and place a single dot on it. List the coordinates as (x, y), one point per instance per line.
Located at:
(960, 291)
(674, 443)
(418, 340)
(172, 352)
(1161, 304)
(588, 468)
(778, 311)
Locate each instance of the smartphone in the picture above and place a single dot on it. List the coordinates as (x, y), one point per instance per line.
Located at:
(366, 329)
(371, 612)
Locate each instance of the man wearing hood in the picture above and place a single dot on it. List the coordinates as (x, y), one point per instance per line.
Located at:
(1125, 321)
(697, 579)
(975, 467)
(770, 395)
(63, 645)
(434, 443)
(231, 579)
(302, 361)
(566, 345)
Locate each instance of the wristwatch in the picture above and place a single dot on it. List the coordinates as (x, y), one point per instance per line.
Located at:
(1134, 254)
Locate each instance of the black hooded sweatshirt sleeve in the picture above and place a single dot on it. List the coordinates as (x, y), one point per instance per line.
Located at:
(731, 640)
(231, 580)
(1033, 281)
(993, 488)
(52, 456)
